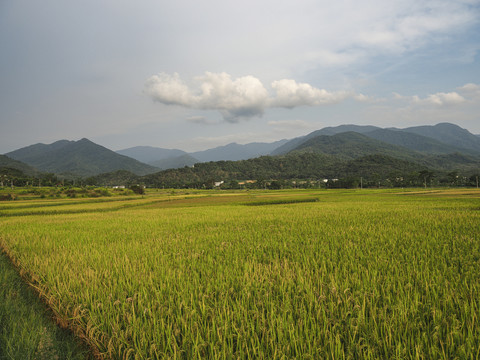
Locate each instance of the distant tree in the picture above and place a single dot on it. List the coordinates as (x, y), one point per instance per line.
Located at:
(138, 189)
(232, 184)
(427, 176)
(453, 178)
(474, 180)
(275, 185)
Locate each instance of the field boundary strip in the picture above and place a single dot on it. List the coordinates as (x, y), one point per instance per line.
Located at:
(32, 281)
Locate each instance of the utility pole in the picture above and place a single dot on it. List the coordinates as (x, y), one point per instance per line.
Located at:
(477, 181)
(361, 182)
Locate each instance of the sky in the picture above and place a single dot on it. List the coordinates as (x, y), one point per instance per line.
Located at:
(194, 75)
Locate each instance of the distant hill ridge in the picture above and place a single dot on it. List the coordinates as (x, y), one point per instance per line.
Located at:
(441, 146)
(175, 162)
(148, 154)
(8, 163)
(77, 158)
(348, 152)
(442, 138)
(351, 145)
(174, 158)
(449, 134)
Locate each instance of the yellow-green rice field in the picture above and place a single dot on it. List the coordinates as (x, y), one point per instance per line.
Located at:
(391, 274)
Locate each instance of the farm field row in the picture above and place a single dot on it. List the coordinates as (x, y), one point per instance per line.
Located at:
(27, 330)
(302, 274)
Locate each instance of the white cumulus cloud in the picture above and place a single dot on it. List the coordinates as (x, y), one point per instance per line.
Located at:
(470, 87)
(169, 89)
(471, 91)
(234, 98)
(243, 97)
(290, 94)
(440, 99)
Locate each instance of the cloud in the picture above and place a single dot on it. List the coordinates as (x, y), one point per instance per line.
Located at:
(470, 90)
(243, 97)
(407, 25)
(367, 99)
(236, 99)
(169, 90)
(201, 120)
(337, 57)
(438, 99)
(290, 94)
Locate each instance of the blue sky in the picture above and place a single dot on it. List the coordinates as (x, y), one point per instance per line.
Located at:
(194, 75)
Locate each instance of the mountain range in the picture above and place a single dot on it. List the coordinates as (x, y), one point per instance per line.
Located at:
(77, 158)
(174, 158)
(442, 147)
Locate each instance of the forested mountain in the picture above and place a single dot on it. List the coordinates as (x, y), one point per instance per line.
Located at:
(449, 134)
(370, 153)
(78, 158)
(169, 158)
(412, 141)
(296, 165)
(442, 138)
(33, 153)
(236, 151)
(452, 162)
(149, 154)
(296, 142)
(7, 163)
(332, 130)
(175, 162)
(343, 152)
(351, 145)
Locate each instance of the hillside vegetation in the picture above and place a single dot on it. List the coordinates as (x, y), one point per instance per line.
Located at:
(78, 158)
(343, 156)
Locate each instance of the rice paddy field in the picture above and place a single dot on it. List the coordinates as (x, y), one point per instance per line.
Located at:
(305, 274)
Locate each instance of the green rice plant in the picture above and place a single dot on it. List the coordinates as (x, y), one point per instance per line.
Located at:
(357, 274)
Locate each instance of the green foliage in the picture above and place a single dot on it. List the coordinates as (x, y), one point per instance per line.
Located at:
(7, 197)
(275, 185)
(138, 189)
(16, 168)
(272, 170)
(352, 145)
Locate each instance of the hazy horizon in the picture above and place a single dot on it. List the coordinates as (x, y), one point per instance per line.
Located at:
(188, 151)
(194, 76)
